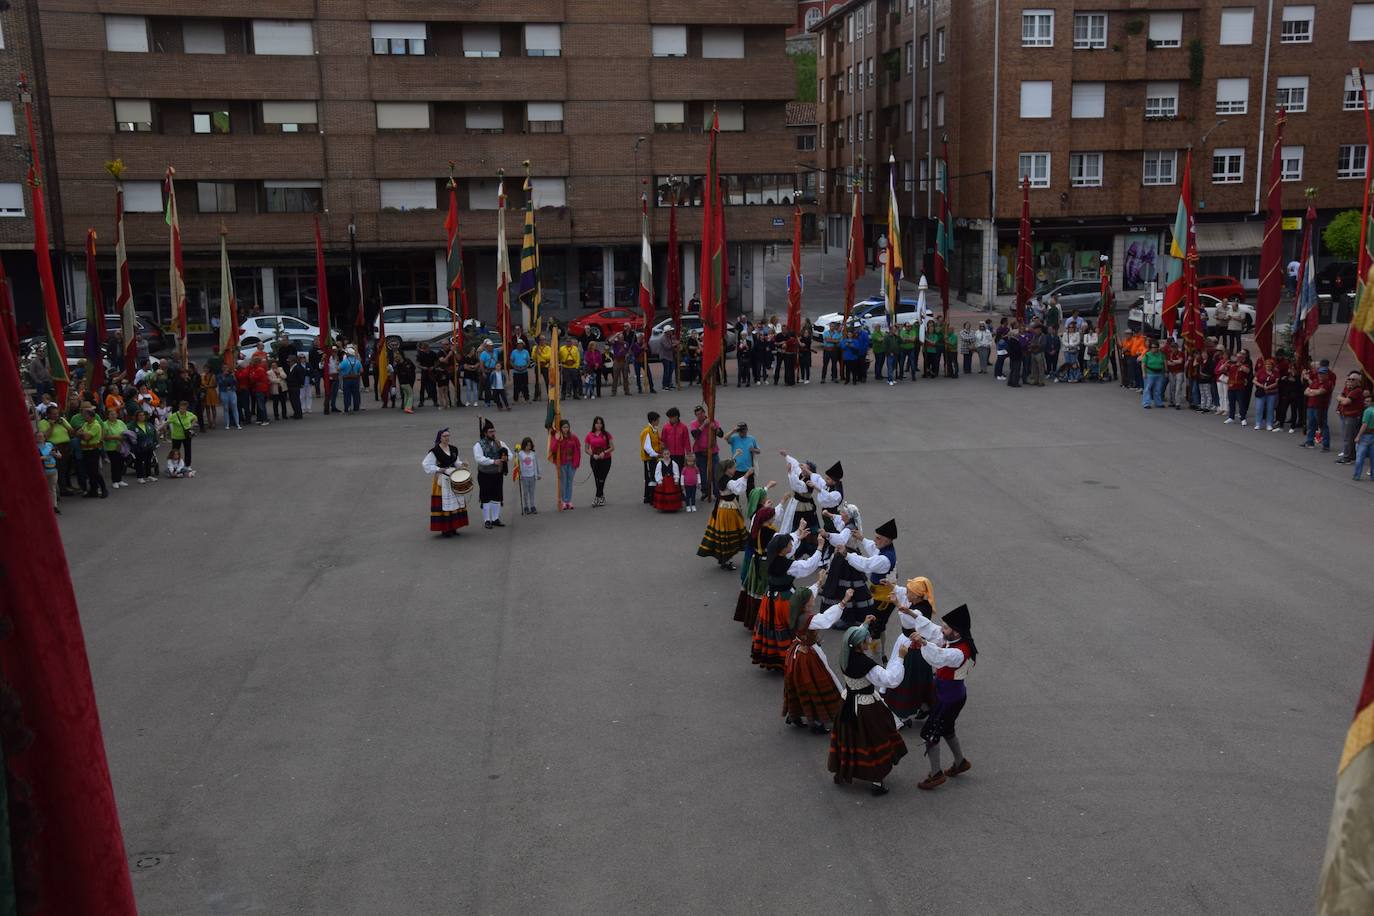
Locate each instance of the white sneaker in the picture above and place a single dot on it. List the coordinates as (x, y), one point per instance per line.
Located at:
(1229, 420)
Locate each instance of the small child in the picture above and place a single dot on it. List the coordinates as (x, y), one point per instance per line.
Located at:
(496, 383)
(176, 467)
(689, 484)
(527, 467)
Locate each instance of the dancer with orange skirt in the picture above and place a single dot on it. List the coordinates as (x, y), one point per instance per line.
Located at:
(810, 690)
(865, 744)
(773, 629)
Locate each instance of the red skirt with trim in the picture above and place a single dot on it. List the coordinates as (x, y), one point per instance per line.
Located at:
(808, 690)
(668, 496)
(772, 634)
(865, 743)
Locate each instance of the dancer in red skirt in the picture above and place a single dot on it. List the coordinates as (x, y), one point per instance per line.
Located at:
(667, 495)
(773, 629)
(448, 510)
(810, 690)
(865, 743)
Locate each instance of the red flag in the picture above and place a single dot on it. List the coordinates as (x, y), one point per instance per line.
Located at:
(854, 269)
(713, 271)
(177, 268)
(674, 268)
(66, 852)
(1025, 264)
(322, 296)
(95, 318)
(124, 290)
(1271, 250)
(794, 277)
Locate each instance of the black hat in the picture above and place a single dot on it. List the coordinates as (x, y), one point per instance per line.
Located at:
(836, 471)
(888, 529)
(958, 619)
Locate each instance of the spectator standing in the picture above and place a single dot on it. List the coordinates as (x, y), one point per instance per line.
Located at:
(1320, 384)
(1350, 408)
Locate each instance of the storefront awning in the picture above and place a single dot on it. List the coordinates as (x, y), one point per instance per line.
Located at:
(1229, 238)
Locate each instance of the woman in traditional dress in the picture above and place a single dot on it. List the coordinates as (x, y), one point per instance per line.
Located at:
(667, 489)
(865, 744)
(725, 533)
(753, 572)
(914, 697)
(773, 630)
(810, 690)
(448, 510)
(949, 648)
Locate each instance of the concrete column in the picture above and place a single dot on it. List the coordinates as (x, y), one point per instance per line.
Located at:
(441, 276)
(758, 270)
(269, 291)
(690, 273)
(607, 276)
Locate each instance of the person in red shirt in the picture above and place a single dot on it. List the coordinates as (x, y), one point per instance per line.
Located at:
(1350, 406)
(1238, 372)
(1174, 360)
(1266, 394)
(1320, 383)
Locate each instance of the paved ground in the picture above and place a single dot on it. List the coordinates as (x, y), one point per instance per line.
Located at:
(313, 706)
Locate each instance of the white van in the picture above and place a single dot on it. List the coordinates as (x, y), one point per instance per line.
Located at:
(410, 324)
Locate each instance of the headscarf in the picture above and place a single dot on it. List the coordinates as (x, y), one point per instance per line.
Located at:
(920, 587)
(854, 636)
(439, 435)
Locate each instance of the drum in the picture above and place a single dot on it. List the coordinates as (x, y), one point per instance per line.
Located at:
(461, 480)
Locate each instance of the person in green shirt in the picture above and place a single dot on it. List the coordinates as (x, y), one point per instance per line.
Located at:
(91, 435)
(951, 352)
(935, 345)
(906, 359)
(182, 424)
(112, 440)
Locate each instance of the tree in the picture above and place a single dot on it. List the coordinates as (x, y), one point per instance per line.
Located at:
(1342, 236)
(805, 64)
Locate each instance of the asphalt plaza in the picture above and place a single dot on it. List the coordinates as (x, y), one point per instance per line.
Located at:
(312, 705)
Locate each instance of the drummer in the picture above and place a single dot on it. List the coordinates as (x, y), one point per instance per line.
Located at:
(448, 502)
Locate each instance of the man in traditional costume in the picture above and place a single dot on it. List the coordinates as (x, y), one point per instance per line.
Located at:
(492, 457)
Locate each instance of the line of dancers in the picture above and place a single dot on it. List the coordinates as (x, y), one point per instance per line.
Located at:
(865, 701)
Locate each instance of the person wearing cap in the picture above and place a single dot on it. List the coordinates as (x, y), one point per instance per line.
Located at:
(865, 743)
(725, 532)
(773, 628)
(448, 509)
(1320, 384)
(949, 649)
(492, 456)
(810, 688)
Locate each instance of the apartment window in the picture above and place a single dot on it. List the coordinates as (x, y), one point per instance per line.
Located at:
(1085, 170)
(11, 198)
(731, 116)
(216, 197)
(283, 37)
(408, 194)
(1297, 24)
(670, 40)
(1089, 31)
(1237, 25)
(925, 51)
(202, 36)
(142, 197)
(1291, 94)
(1159, 167)
(543, 40)
(549, 192)
(126, 33)
(1233, 95)
(1353, 97)
(7, 118)
(1036, 167)
(1228, 166)
(399, 38)
(1290, 158)
(1362, 22)
(403, 116)
(297, 196)
(1161, 100)
(722, 42)
(290, 117)
(670, 117)
(907, 117)
(481, 40)
(925, 112)
(910, 57)
(1089, 100)
(939, 110)
(210, 122)
(1351, 161)
(544, 117)
(133, 115)
(484, 118)
(1037, 97)
(1166, 30)
(939, 46)
(1037, 28)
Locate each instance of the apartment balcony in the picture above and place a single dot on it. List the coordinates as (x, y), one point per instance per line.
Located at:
(452, 78)
(171, 76)
(723, 12)
(465, 10)
(406, 155)
(694, 79)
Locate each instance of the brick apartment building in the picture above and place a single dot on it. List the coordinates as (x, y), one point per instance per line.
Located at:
(273, 111)
(1097, 102)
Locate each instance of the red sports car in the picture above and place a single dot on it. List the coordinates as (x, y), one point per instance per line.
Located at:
(1221, 287)
(605, 323)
